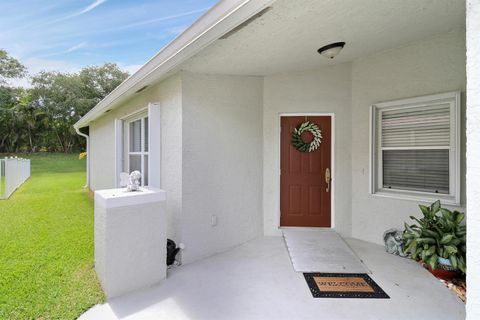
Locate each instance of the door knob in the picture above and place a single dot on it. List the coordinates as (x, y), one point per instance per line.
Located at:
(328, 178)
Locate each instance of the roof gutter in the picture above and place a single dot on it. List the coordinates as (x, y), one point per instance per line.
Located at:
(219, 20)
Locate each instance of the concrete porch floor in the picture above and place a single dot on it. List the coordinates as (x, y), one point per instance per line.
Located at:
(256, 281)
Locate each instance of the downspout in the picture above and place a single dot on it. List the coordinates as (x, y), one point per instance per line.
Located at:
(87, 138)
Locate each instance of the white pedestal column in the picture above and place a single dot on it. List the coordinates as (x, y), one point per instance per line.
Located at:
(130, 239)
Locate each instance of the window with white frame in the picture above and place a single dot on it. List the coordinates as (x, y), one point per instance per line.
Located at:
(415, 149)
(136, 146)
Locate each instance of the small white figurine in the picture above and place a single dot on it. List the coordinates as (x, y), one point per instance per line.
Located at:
(134, 181)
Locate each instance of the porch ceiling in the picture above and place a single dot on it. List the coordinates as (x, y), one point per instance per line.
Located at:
(287, 37)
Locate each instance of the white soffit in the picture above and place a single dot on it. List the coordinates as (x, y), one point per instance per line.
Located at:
(286, 38)
(223, 17)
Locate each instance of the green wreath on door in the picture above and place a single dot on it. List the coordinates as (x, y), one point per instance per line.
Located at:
(303, 146)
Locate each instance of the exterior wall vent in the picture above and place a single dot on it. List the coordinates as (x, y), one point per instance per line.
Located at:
(245, 23)
(141, 89)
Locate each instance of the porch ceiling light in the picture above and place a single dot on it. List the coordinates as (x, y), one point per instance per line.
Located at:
(331, 50)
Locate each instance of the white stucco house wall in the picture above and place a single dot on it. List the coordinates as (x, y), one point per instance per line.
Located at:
(213, 100)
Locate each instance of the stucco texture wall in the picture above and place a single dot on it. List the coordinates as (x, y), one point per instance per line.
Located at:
(102, 153)
(473, 159)
(222, 162)
(324, 90)
(431, 66)
(220, 142)
(102, 145)
(211, 159)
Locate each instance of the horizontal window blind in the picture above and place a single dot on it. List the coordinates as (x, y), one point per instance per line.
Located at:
(415, 148)
(419, 170)
(135, 136)
(416, 127)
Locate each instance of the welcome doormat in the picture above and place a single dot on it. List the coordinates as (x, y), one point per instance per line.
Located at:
(343, 285)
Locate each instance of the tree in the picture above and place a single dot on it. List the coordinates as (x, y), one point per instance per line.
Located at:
(65, 98)
(10, 67)
(57, 94)
(8, 123)
(96, 82)
(9, 133)
(42, 117)
(32, 119)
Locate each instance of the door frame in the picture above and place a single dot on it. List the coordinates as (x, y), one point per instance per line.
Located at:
(332, 170)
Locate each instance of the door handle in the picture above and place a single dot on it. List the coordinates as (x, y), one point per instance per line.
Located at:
(328, 178)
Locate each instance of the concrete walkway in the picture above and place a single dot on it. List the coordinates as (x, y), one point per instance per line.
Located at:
(321, 250)
(257, 281)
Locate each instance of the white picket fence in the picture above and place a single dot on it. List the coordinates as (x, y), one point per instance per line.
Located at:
(13, 172)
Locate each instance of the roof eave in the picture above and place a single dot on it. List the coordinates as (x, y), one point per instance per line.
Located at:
(220, 19)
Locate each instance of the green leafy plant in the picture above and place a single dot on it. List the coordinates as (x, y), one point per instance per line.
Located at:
(440, 233)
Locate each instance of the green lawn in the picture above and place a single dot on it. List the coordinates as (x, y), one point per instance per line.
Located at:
(46, 243)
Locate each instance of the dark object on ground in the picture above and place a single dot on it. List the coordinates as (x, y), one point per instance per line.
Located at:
(172, 251)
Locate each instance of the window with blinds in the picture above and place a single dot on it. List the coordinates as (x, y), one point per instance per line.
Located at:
(415, 152)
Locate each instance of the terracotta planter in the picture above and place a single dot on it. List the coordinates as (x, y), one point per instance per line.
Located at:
(440, 273)
(443, 274)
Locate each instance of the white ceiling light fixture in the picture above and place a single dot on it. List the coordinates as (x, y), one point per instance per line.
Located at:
(331, 50)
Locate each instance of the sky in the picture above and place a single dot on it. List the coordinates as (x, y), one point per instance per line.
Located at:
(66, 35)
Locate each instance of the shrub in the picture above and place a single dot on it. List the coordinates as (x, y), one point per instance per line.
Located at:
(440, 233)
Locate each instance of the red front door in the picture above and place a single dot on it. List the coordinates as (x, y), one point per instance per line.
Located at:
(305, 190)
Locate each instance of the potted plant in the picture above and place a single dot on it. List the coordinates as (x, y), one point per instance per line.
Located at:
(438, 239)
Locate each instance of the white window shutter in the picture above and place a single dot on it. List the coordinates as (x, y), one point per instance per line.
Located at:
(154, 148)
(118, 150)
